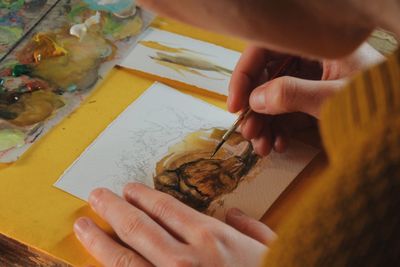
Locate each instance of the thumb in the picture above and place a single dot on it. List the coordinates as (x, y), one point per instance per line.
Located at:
(289, 94)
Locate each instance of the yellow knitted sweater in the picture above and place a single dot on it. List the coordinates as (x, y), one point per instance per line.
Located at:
(351, 217)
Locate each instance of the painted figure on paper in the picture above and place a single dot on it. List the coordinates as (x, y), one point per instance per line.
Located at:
(190, 175)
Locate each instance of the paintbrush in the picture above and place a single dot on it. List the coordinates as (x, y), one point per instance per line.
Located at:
(247, 111)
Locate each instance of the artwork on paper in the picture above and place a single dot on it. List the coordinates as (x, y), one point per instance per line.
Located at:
(57, 62)
(183, 59)
(165, 140)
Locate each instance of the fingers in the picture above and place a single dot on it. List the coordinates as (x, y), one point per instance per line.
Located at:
(264, 143)
(289, 94)
(104, 248)
(249, 73)
(250, 227)
(280, 144)
(253, 126)
(134, 227)
(250, 66)
(166, 210)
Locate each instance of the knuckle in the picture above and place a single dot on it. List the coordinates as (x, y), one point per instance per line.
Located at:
(123, 259)
(130, 225)
(91, 241)
(206, 236)
(162, 207)
(286, 94)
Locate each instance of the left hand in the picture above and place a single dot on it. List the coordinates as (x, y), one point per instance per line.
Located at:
(159, 230)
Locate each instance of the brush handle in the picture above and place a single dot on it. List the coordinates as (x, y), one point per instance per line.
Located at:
(236, 124)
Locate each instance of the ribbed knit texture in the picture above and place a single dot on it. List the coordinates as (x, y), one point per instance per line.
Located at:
(351, 216)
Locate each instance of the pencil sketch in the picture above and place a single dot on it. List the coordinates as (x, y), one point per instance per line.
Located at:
(143, 147)
(129, 149)
(165, 139)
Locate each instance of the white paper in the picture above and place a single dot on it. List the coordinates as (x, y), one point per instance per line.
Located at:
(142, 58)
(128, 150)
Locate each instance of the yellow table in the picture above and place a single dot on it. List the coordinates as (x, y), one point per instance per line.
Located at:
(34, 212)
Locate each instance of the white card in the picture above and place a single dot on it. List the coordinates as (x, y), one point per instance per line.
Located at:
(128, 150)
(183, 59)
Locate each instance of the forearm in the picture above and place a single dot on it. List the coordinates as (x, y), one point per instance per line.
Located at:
(301, 27)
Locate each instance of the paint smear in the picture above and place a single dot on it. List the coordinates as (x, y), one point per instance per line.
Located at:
(188, 63)
(11, 138)
(165, 48)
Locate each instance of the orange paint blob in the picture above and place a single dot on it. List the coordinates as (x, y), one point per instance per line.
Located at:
(46, 47)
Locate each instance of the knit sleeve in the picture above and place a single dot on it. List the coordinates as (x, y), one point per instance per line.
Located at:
(351, 217)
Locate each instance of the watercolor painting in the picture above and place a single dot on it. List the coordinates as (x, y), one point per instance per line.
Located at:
(189, 173)
(57, 63)
(183, 59)
(165, 139)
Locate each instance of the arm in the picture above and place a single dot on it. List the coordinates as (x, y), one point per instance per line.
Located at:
(314, 28)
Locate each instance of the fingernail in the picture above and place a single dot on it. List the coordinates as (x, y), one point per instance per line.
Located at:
(229, 104)
(257, 100)
(94, 198)
(236, 212)
(81, 225)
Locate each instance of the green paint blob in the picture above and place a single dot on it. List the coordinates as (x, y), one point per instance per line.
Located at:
(11, 138)
(111, 25)
(20, 69)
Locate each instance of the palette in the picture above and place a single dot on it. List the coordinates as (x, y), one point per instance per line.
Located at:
(47, 70)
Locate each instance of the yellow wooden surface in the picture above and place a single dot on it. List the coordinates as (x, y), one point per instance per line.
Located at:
(34, 212)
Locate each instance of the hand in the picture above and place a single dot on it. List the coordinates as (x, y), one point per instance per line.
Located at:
(157, 229)
(287, 104)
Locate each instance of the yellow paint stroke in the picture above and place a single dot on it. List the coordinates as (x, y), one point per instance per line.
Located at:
(188, 63)
(161, 47)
